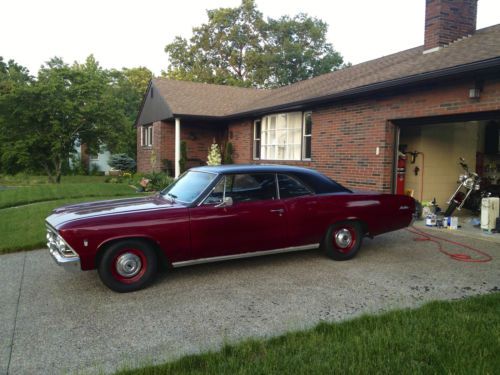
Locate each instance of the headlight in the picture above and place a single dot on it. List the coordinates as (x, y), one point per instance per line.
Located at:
(462, 177)
(477, 186)
(469, 183)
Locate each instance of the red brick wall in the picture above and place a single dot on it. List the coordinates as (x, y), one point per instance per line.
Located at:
(198, 137)
(345, 136)
(448, 20)
(150, 158)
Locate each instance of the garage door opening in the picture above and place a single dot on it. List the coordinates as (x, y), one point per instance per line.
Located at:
(427, 163)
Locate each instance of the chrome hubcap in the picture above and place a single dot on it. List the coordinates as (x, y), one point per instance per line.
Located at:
(128, 265)
(343, 238)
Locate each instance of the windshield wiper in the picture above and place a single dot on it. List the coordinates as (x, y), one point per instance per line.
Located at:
(172, 197)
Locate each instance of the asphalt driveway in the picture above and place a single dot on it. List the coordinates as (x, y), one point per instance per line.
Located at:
(52, 321)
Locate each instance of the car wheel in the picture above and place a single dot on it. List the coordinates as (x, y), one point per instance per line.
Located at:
(343, 240)
(128, 265)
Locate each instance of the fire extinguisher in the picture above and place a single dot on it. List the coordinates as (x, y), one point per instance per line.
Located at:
(400, 174)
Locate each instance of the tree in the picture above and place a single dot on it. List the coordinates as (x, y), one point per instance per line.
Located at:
(12, 77)
(238, 47)
(128, 86)
(122, 162)
(65, 105)
(299, 50)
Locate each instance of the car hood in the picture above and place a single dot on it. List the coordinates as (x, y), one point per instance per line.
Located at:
(88, 210)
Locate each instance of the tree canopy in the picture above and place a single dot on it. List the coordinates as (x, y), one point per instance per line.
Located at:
(238, 47)
(43, 118)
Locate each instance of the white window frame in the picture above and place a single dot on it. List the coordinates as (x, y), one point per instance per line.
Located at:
(147, 135)
(304, 135)
(265, 123)
(257, 138)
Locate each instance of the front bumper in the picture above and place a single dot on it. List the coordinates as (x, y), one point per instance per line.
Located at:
(67, 257)
(68, 263)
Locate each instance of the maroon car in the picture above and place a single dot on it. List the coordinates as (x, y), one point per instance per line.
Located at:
(220, 213)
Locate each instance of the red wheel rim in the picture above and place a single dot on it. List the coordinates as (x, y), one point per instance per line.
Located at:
(344, 239)
(129, 266)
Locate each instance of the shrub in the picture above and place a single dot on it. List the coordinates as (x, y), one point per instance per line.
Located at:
(122, 162)
(183, 159)
(157, 181)
(228, 154)
(214, 157)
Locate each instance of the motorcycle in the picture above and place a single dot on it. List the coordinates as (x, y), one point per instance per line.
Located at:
(468, 183)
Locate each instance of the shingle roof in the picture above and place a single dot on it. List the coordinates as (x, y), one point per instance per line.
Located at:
(200, 99)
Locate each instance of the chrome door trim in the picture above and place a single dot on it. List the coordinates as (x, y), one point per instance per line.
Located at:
(244, 255)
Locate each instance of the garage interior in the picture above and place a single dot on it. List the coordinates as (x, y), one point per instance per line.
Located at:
(431, 148)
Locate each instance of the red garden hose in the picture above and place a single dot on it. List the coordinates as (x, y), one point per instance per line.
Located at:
(424, 236)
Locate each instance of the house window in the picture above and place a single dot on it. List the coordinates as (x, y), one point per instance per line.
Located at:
(283, 136)
(147, 136)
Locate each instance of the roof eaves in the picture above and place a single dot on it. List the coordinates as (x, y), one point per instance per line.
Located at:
(362, 90)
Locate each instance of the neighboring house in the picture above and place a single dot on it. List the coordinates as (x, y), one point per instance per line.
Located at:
(94, 162)
(441, 100)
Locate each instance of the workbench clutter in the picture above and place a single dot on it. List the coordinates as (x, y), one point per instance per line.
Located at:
(436, 220)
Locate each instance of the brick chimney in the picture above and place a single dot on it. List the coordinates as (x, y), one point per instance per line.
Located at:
(448, 20)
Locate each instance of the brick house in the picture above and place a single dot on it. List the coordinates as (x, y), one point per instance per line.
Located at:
(437, 101)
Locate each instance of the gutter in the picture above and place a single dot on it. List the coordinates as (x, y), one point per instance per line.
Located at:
(379, 86)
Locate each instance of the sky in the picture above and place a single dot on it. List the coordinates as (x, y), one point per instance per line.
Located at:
(132, 33)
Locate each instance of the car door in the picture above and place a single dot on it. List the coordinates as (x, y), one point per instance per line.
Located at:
(306, 216)
(255, 221)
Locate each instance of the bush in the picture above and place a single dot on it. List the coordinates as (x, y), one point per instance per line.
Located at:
(157, 181)
(228, 154)
(214, 157)
(122, 162)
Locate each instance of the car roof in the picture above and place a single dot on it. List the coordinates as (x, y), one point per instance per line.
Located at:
(252, 168)
(314, 179)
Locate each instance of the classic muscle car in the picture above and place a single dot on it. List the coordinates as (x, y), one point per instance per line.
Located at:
(219, 213)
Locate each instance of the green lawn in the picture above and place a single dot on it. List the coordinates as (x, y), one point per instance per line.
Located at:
(43, 193)
(28, 180)
(460, 337)
(24, 209)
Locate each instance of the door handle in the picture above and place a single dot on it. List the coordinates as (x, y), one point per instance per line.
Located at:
(279, 211)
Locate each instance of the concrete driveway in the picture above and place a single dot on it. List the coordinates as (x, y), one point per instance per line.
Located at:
(52, 321)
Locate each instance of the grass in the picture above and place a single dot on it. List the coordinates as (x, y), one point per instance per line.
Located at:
(459, 337)
(23, 228)
(29, 180)
(23, 209)
(42, 193)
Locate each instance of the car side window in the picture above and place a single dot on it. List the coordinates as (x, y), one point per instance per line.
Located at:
(243, 188)
(291, 187)
(217, 194)
(251, 187)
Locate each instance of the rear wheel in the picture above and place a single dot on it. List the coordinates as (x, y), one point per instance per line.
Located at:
(343, 240)
(128, 265)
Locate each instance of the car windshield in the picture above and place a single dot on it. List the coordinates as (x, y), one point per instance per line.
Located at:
(189, 186)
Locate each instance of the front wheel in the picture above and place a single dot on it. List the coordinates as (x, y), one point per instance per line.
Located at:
(343, 240)
(128, 265)
(451, 208)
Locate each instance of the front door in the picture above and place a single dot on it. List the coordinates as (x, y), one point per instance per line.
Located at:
(254, 222)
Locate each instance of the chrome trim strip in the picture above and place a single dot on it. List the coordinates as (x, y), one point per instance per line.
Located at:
(244, 255)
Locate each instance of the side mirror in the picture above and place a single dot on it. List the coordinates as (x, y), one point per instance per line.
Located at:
(227, 202)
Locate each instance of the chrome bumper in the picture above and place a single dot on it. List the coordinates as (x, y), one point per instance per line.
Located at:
(68, 263)
(65, 256)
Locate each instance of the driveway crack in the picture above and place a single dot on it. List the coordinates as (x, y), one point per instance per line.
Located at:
(17, 311)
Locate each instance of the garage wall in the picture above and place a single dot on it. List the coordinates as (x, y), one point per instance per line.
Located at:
(441, 146)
